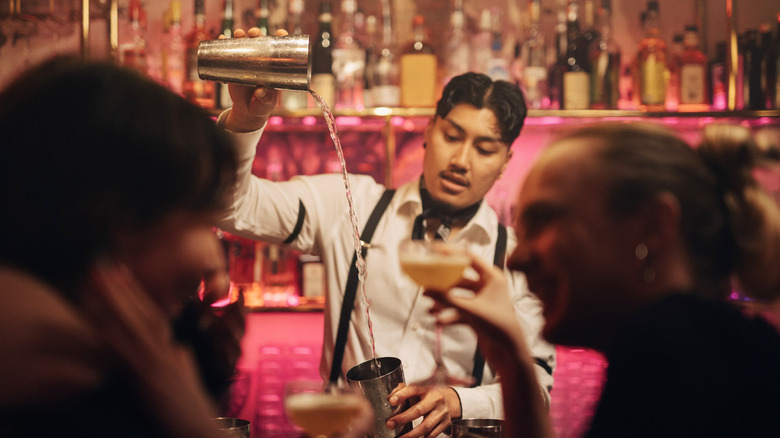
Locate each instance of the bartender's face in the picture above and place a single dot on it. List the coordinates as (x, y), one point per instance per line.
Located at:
(464, 156)
(577, 257)
(170, 258)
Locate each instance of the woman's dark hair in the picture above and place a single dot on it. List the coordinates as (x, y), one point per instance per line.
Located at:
(641, 161)
(504, 99)
(88, 148)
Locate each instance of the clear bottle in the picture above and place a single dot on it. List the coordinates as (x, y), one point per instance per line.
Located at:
(419, 69)
(558, 63)
(349, 60)
(196, 90)
(222, 96)
(673, 65)
(370, 38)
(481, 43)
(590, 32)
(533, 54)
(457, 51)
(692, 73)
(174, 50)
(576, 73)
(497, 66)
(322, 80)
(294, 100)
(719, 80)
(262, 18)
(132, 48)
(385, 86)
(604, 63)
(652, 63)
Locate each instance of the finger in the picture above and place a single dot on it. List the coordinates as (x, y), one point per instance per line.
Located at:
(221, 36)
(281, 32)
(239, 33)
(255, 32)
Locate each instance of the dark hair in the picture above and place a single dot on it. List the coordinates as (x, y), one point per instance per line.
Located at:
(729, 222)
(478, 90)
(90, 147)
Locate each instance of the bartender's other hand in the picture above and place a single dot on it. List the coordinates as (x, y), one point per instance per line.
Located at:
(438, 405)
(251, 105)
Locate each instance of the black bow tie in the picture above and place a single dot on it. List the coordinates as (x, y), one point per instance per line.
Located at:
(446, 218)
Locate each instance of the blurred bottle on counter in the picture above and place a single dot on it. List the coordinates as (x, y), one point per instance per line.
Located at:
(557, 60)
(196, 90)
(719, 78)
(349, 60)
(222, 96)
(173, 51)
(533, 56)
(261, 15)
(591, 33)
(457, 49)
(370, 43)
(774, 75)
(481, 43)
(652, 68)
(497, 65)
(385, 78)
(323, 82)
(604, 62)
(751, 67)
(312, 277)
(132, 46)
(576, 73)
(419, 69)
(294, 100)
(673, 65)
(692, 73)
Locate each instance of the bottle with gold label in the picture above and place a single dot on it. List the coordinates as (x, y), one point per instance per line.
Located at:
(652, 63)
(692, 73)
(419, 70)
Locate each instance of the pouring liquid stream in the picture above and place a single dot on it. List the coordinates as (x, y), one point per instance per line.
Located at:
(361, 263)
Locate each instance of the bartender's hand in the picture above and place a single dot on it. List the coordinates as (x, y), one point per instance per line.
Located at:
(438, 405)
(251, 105)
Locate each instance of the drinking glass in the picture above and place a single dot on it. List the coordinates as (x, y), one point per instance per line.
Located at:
(436, 265)
(321, 410)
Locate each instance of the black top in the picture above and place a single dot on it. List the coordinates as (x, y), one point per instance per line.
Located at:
(691, 367)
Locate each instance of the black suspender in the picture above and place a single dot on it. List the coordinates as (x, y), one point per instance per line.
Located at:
(348, 304)
(352, 284)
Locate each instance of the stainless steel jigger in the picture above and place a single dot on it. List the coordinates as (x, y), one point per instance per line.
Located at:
(282, 62)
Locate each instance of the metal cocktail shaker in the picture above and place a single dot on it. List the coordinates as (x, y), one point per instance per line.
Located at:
(376, 385)
(282, 62)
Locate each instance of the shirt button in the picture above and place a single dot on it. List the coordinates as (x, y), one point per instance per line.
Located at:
(416, 326)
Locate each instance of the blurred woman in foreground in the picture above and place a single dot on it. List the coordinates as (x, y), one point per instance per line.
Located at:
(630, 237)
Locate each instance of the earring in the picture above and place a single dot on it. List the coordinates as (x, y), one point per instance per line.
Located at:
(641, 252)
(425, 145)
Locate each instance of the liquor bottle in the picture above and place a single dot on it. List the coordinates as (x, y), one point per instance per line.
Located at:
(294, 100)
(497, 66)
(481, 44)
(652, 63)
(576, 75)
(174, 50)
(196, 90)
(262, 18)
(753, 93)
(370, 39)
(534, 63)
(719, 80)
(604, 63)
(222, 96)
(774, 78)
(419, 69)
(590, 33)
(457, 50)
(349, 60)
(673, 66)
(132, 48)
(311, 272)
(558, 51)
(322, 80)
(692, 73)
(767, 65)
(385, 82)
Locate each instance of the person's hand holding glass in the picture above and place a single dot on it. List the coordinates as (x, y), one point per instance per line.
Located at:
(327, 411)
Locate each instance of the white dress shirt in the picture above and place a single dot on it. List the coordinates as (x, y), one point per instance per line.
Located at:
(402, 327)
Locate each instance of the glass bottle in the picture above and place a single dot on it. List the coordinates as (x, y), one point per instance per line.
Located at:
(294, 100)
(349, 60)
(370, 38)
(385, 87)
(673, 66)
(576, 74)
(558, 63)
(652, 63)
(174, 50)
(419, 69)
(719, 77)
(196, 90)
(132, 49)
(751, 67)
(322, 80)
(692, 73)
(604, 63)
(481, 43)
(774, 78)
(457, 51)
(497, 66)
(590, 33)
(262, 18)
(222, 96)
(534, 63)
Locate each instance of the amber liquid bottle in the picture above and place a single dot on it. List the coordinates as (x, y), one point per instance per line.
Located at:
(692, 74)
(419, 70)
(604, 63)
(652, 64)
(196, 90)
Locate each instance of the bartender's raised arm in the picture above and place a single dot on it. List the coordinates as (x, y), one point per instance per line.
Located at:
(251, 105)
